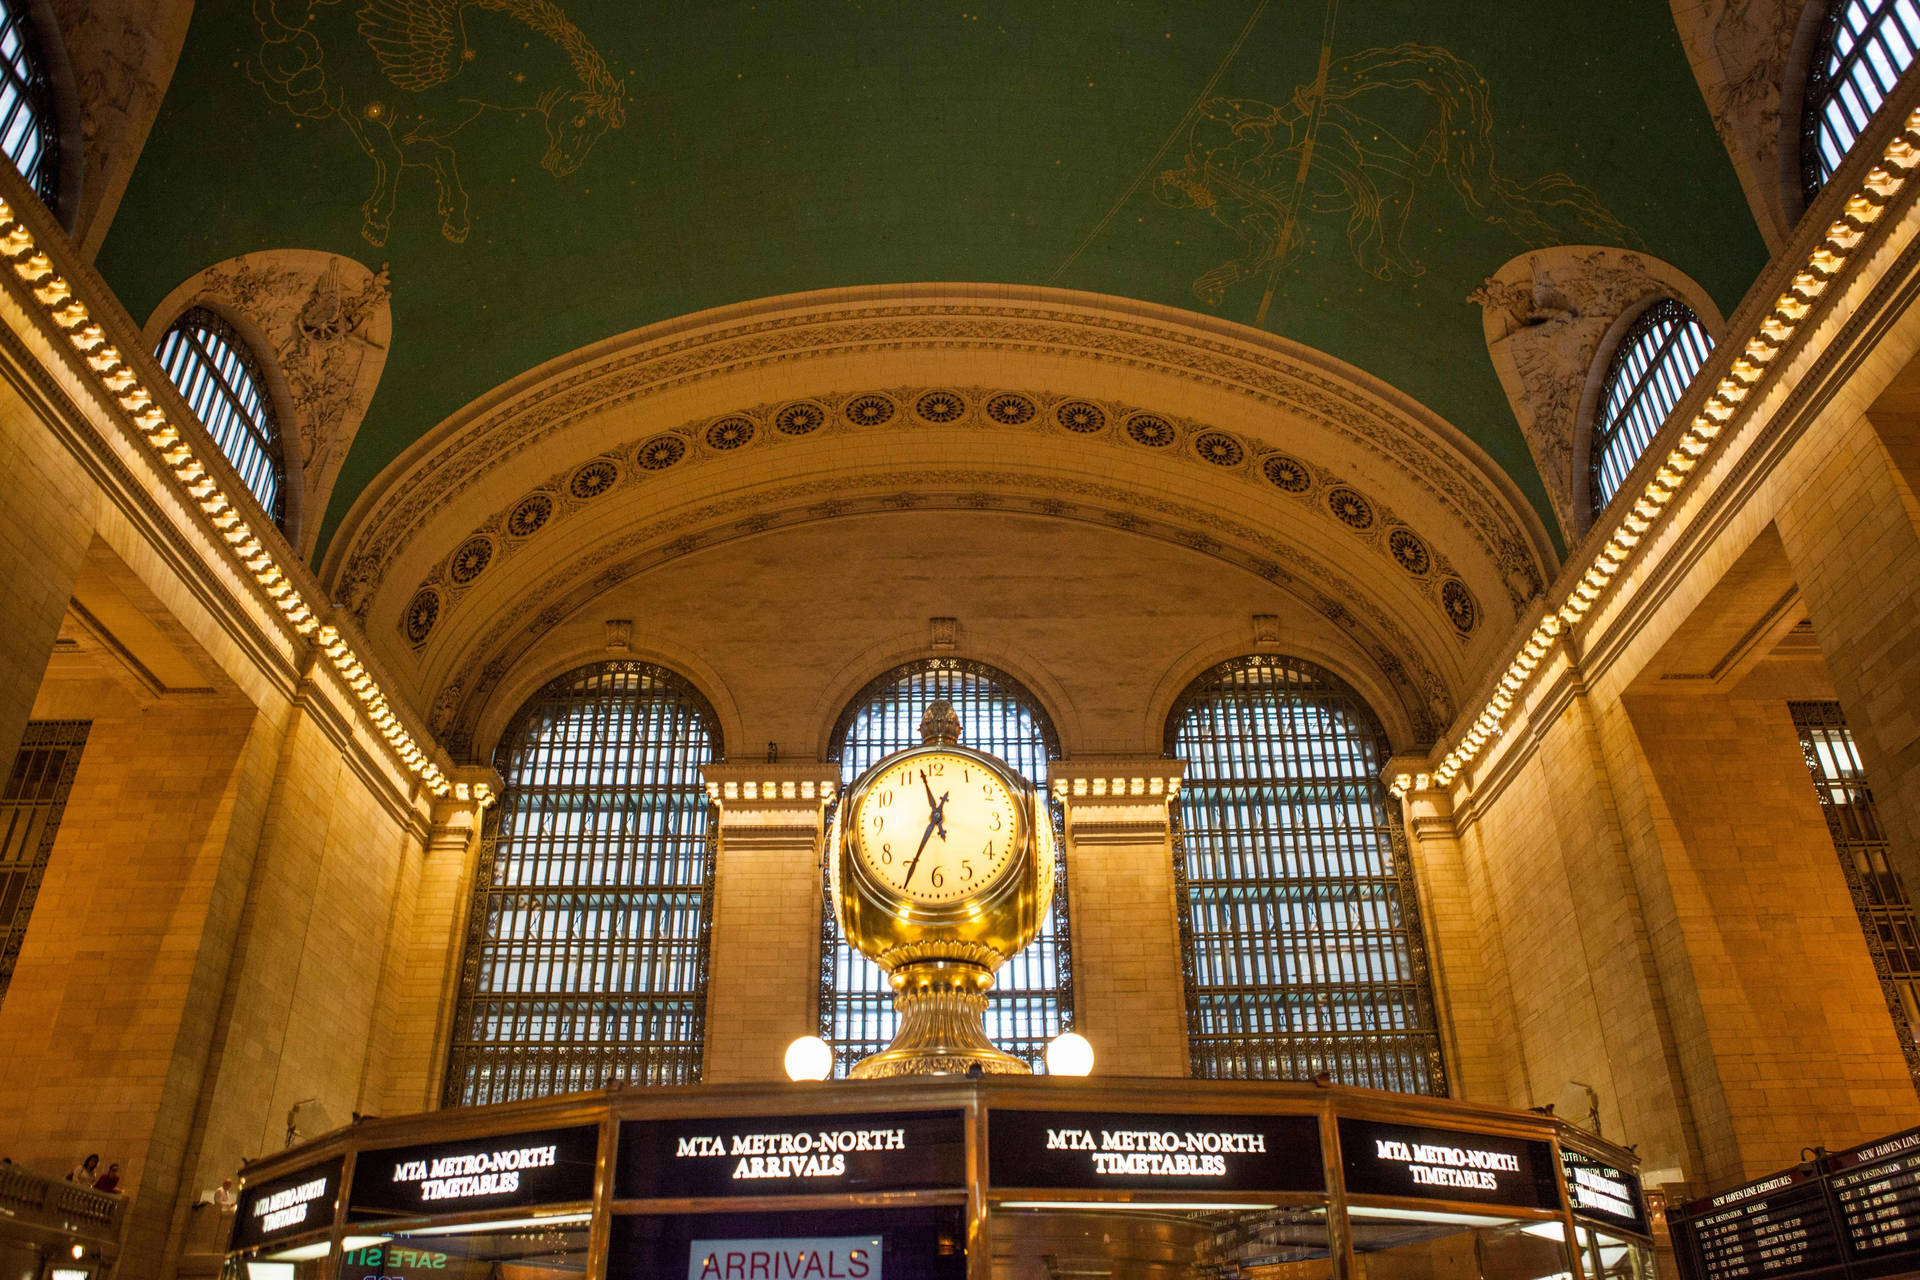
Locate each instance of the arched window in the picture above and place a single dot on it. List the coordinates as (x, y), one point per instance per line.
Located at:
(586, 955)
(27, 131)
(1865, 47)
(1299, 929)
(1651, 368)
(222, 383)
(1032, 998)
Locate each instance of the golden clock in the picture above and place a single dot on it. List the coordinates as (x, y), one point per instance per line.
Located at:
(943, 865)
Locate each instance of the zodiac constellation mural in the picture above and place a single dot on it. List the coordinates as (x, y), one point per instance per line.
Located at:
(1358, 140)
(406, 76)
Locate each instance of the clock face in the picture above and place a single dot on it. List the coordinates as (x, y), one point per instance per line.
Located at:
(937, 828)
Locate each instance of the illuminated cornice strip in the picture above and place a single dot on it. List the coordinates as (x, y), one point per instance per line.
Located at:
(1770, 338)
(120, 384)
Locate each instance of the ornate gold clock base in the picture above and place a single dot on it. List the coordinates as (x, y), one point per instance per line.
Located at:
(942, 1005)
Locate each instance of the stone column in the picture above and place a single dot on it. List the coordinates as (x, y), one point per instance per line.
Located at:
(430, 926)
(1852, 534)
(764, 963)
(1462, 993)
(1129, 997)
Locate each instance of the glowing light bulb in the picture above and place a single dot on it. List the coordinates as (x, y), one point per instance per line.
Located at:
(809, 1058)
(1069, 1054)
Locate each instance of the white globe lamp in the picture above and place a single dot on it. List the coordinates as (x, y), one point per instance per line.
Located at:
(1069, 1054)
(809, 1058)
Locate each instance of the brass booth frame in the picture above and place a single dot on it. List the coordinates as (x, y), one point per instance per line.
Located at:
(975, 1098)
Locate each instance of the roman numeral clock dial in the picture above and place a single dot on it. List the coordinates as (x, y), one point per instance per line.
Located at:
(937, 828)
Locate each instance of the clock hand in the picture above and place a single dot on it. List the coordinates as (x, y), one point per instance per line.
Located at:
(911, 866)
(940, 814)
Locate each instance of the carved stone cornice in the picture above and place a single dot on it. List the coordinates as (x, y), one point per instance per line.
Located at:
(1113, 800)
(457, 818)
(766, 806)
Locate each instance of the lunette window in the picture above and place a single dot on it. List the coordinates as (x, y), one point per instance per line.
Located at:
(587, 945)
(1299, 928)
(28, 134)
(220, 380)
(1865, 47)
(1032, 999)
(1656, 360)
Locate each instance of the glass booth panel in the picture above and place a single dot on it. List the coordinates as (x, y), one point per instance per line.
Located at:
(523, 1249)
(1605, 1257)
(1407, 1244)
(895, 1243)
(1143, 1241)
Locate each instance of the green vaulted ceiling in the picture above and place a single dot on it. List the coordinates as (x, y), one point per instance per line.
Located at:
(715, 152)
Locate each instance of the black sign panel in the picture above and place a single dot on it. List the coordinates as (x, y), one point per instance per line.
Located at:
(287, 1206)
(1446, 1164)
(503, 1171)
(1778, 1227)
(791, 1155)
(1147, 1152)
(1602, 1194)
(1876, 1189)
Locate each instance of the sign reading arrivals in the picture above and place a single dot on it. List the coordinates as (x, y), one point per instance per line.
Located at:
(791, 1155)
(1157, 1151)
(287, 1206)
(812, 1258)
(1447, 1164)
(547, 1166)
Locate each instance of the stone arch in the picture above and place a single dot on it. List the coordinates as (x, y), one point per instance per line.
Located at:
(1552, 318)
(320, 325)
(724, 426)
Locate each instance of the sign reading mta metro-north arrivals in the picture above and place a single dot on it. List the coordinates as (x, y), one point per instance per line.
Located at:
(287, 1206)
(547, 1166)
(1153, 1151)
(788, 1155)
(1447, 1164)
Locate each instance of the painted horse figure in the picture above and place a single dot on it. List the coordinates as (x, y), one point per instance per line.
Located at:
(405, 76)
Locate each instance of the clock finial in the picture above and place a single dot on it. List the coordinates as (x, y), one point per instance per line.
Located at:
(941, 724)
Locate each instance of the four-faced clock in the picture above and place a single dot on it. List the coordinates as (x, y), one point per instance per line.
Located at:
(937, 827)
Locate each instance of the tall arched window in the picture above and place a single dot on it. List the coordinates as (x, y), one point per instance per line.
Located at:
(1032, 998)
(1865, 47)
(221, 382)
(1656, 359)
(1300, 932)
(28, 134)
(586, 954)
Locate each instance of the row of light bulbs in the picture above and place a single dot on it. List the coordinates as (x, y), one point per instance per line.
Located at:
(811, 1058)
(122, 386)
(1862, 210)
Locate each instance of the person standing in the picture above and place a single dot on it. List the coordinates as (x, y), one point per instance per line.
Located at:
(223, 1197)
(108, 1181)
(86, 1171)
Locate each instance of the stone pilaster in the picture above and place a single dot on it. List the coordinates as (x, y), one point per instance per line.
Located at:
(1129, 998)
(1454, 931)
(764, 965)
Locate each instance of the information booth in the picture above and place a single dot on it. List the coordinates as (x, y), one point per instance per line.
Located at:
(1010, 1178)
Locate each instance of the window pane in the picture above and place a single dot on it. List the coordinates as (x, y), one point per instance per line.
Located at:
(1301, 945)
(1865, 47)
(1032, 998)
(1656, 360)
(587, 950)
(1886, 912)
(34, 797)
(216, 375)
(27, 132)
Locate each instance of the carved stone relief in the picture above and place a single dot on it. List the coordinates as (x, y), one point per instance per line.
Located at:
(1545, 315)
(329, 325)
(1742, 53)
(1413, 449)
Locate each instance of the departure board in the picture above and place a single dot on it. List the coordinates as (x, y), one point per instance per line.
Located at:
(1779, 1227)
(1876, 1189)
